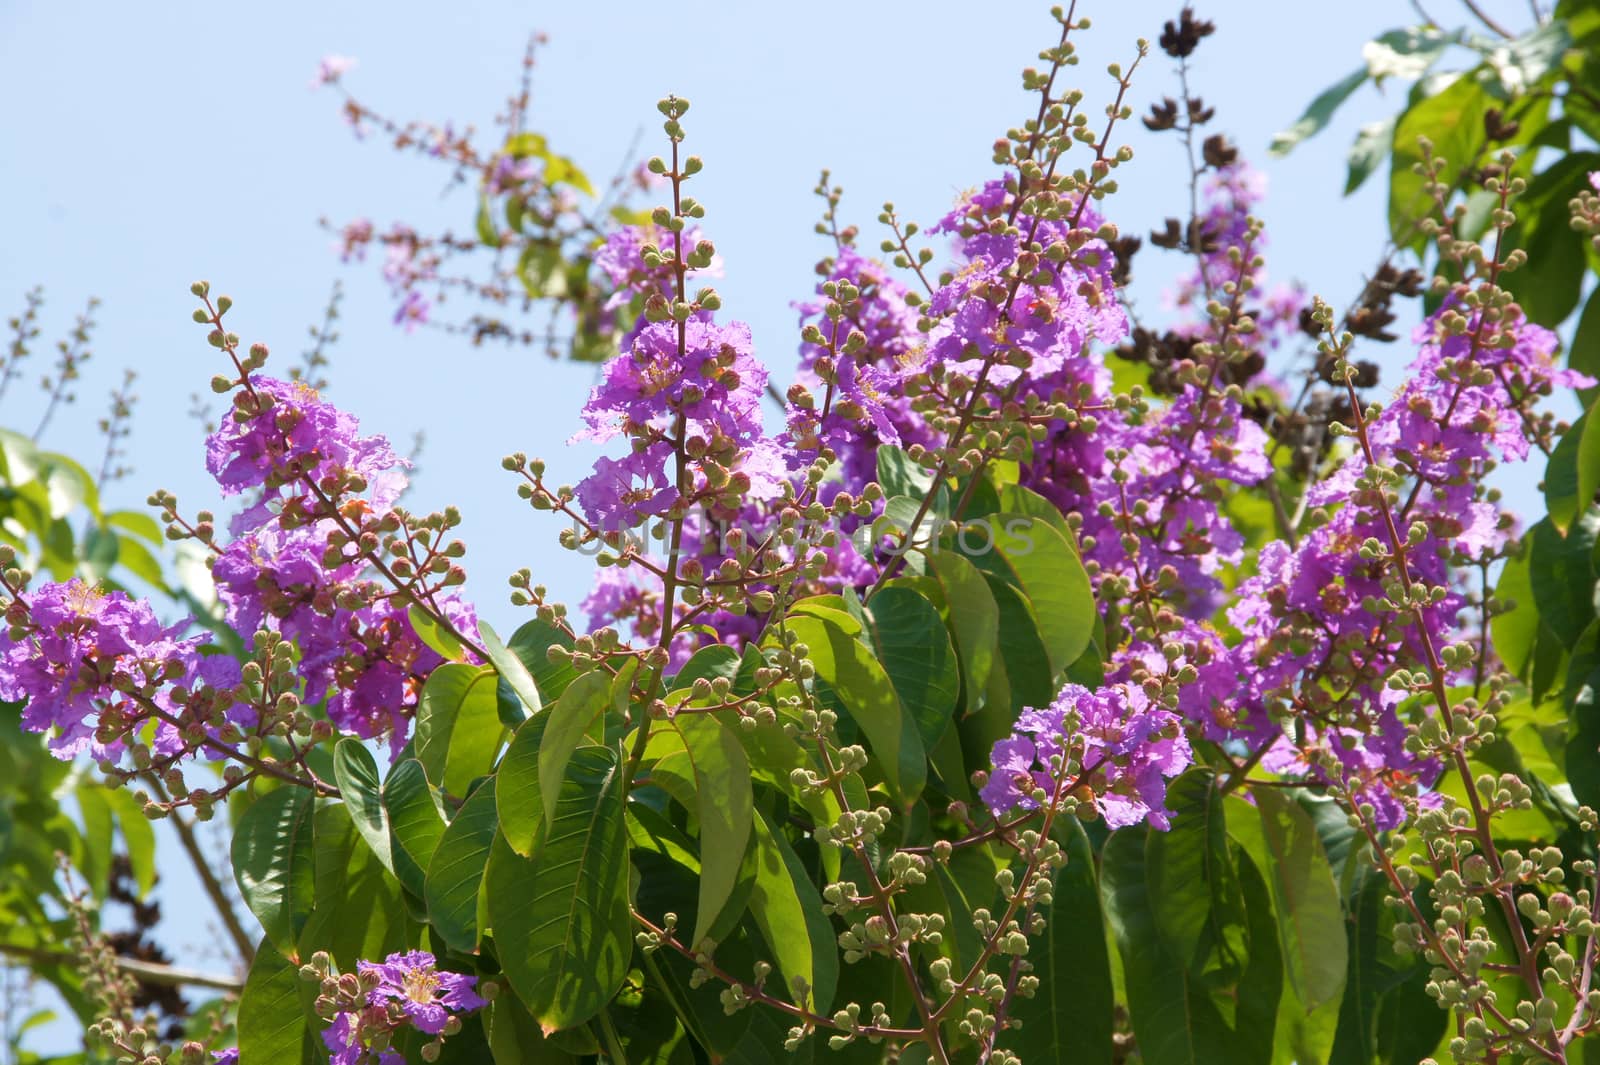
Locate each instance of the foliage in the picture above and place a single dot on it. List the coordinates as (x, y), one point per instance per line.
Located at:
(1054, 684)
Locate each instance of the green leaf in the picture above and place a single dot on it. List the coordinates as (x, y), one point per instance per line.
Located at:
(531, 643)
(1385, 1014)
(1176, 1018)
(435, 635)
(712, 759)
(899, 475)
(1070, 1018)
(138, 837)
(561, 923)
(458, 725)
(974, 620)
(1548, 285)
(1282, 840)
(1584, 354)
(1582, 697)
(914, 649)
(515, 1038)
(357, 776)
(415, 822)
(1038, 561)
(1561, 493)
(1525, 61)
(274, 863)
(510, 668)
(1317, 113)
(488, 235)
(272, 1020)
(577, 715)
(1407, 53)
(1193, 880)
(517, 801)
(360, 910)
(868, 696)
(788, 909)
(137, 522)
(456, 872)
(1562, 575)
(1514, 632)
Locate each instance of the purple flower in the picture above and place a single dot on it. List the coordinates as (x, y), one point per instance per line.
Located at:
(331, 68)
(82, 651)
(345, 1040)
(715, 383)
(1117, 735)
(426, 995)
(287, 431)
(623, 493)
(225, 1057)
(413, 311)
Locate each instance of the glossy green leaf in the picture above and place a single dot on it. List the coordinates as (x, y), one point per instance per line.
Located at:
(561, 923)
(274, 863)
(1193, 879)
(1583, 354)
(847, 666)
(456, 872)
(1562, 499)
(1562, 575)
(458, 727)
(435, 635)
(1317, 113)
(272, 1020)
(578, 715)
(914, 649)
(531, 643)
(517, 800)
(415, 822)
(1515, 631)
(1071, 1017)
(356, 773)
(1282, 840)
(515, 1038)
(710, 757)
(1039, 562)
(1406, 53)
(511, 668)
(788, 909)
(359, 910)
(1176, 1019)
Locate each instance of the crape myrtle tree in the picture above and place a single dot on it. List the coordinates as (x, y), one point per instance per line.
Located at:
(1020, 678)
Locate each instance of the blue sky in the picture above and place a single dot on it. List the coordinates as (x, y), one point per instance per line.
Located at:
(152, 144)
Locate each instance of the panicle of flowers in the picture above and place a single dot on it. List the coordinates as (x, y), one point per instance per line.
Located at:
(372, 1007)
(863, 402)
(96, 666)
(1123, 745)
(101, 676)
(1468, 404)
(323, 557)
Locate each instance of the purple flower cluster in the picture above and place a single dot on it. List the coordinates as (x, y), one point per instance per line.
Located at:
(1126, 746)
(288, 571)
(1463, 406)
(409, 991)
(855, 403)
(282, 433)
(94, 666)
